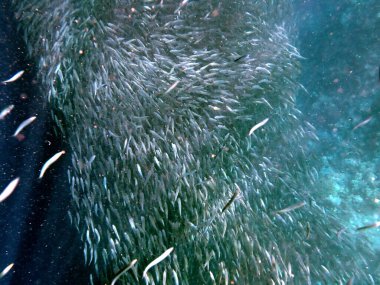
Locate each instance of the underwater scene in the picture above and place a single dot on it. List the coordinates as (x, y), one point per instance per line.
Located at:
(231, 142)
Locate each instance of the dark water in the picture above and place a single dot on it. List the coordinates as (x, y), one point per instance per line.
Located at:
(35, 233)
(341, 46)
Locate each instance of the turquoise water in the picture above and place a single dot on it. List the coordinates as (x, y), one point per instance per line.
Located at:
(341, 74)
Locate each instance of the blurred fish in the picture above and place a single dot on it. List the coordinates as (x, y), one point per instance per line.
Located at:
(49, 162)
(237, 192)
(366, 121)
(308, 230)
(212, 277)
(239, 58)
(291, 208)
(263, 70)
(164, 277)
(350, 281)
(129, 266)
(23, 125)
(175, 277)
(6, 112)
(9, 189)
(374, 225)
(339, 232)
(259, 125)
(6, 270)
(156, 261)
(182, 4)
(174, 85)
(14, 77)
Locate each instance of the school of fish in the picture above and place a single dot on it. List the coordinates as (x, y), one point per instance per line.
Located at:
(184, 140)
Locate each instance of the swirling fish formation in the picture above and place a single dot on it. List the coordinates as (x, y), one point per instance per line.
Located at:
(156, 100)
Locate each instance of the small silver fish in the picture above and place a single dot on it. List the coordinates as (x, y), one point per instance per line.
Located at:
(325, 269)
(263, 69)
(6, 270)
(366, 121)
(156, 261)
(6, 112)
(129, 266)
(212, 277)
(291, 208)
(9, 189)
(339, 232)
(23, 125)
(175, 277)
(182, 4)
(164, 277)
(255, 127)
(49, 162)
(174, 85)
(14, 77)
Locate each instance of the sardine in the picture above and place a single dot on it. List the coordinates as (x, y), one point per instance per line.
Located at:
(237, 192)
(174, 85)
(49, 162)
(14, 77)
(175, 277)
(374, 225)
(156, 261)
(9, 189)
(255, 127)
(6, 270)
(129, 266)
(23, 125)
(6, 112)
(366, 121)
(291, 208)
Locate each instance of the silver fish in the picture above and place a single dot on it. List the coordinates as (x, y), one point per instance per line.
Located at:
(6, 112)
(6, 270)
(156, 261)
(49, 162)
(259, 125)
(164, 278)
(14, 77)
(291, 208)
(23, 125)
(129, 266)
(9, 189)
(366, 121)
(339, 232)
(175, 277)
(174, 85)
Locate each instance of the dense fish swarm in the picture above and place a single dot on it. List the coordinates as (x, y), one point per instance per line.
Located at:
(156, 100)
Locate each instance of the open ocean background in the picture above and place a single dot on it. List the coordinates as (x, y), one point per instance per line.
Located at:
(340, 43)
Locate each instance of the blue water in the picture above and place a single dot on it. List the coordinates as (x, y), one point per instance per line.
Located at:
(341, 43)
